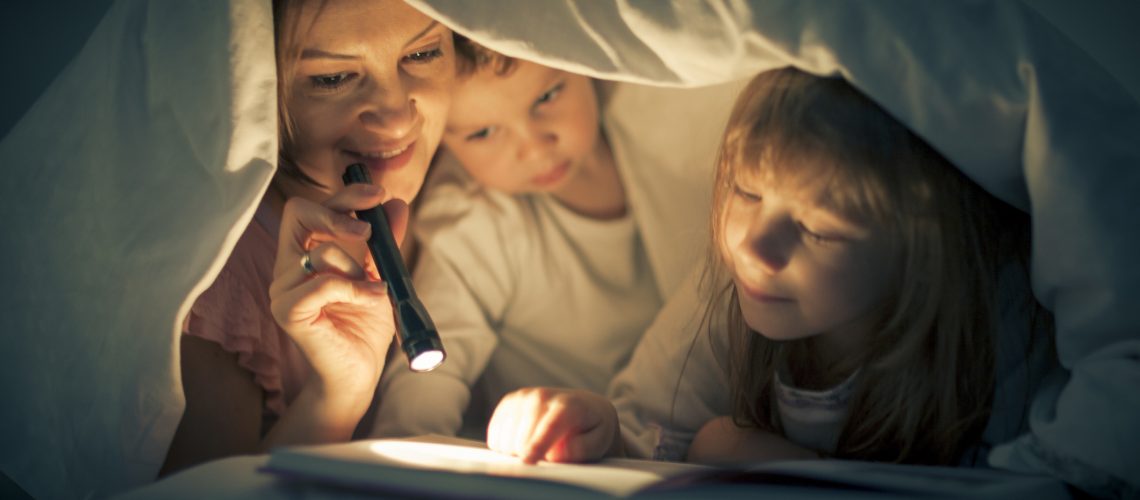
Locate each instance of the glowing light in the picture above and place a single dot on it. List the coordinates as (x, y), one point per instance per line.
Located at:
(620, 480)
(427, 361)
(445, 456)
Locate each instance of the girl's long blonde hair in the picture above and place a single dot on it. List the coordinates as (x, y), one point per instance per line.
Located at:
(925, 388)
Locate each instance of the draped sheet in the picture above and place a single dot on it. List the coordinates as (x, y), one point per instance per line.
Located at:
(125, 187)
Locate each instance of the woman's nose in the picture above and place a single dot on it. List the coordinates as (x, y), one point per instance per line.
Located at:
(390, 111)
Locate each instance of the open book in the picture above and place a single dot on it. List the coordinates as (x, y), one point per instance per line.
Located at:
(450, 467)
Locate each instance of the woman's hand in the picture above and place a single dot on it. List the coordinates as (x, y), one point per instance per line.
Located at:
(558, 425)
(721, 442)
(335, 309)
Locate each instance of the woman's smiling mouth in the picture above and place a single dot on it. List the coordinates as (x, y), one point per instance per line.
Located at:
(386, 160)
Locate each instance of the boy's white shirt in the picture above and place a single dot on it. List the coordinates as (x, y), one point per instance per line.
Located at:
(524, 292)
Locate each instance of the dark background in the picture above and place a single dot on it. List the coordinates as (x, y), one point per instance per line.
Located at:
(37, 38)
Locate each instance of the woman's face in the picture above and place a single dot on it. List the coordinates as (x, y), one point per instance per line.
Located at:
(372, 86)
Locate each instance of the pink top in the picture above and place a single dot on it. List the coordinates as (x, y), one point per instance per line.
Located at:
(234, 312)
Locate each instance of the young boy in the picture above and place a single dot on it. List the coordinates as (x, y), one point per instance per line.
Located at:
(531, 263)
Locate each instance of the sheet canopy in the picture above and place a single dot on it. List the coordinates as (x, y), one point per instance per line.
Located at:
(127, 184)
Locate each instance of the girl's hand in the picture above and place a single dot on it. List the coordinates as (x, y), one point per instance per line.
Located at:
(721, 442)
(558, 425)
(337, 310)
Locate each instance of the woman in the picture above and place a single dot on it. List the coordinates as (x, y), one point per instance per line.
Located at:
(290, 353)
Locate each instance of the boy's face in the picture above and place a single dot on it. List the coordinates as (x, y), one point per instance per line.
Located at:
(528, 131)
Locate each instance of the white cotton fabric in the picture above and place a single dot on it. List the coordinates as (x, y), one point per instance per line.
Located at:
(813, 418)
(524, 292)
(1016, 104)
(124, 188)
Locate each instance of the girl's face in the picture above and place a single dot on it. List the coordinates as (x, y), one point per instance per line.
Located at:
(529, 131)
(373, 85)
(801, 268)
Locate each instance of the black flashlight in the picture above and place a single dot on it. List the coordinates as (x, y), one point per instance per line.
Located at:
(418, 336)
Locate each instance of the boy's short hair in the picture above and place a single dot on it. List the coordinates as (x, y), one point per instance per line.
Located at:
(472, 58)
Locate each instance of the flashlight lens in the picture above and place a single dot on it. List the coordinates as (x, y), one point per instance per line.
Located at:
(426, 361)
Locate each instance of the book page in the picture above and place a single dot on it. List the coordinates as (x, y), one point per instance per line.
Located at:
(391, 463)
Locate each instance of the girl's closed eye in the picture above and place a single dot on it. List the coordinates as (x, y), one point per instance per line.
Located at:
(745, 195)
(819, 237)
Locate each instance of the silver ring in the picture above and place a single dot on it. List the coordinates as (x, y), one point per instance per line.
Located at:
(307, 264)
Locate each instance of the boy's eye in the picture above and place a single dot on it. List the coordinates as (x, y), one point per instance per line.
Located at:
(549, 95)
(333, 81)
(745, 195)
(423, 56)
(479, 135)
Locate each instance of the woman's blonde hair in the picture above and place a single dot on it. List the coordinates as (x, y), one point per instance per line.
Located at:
(288, 33)
(925, 387)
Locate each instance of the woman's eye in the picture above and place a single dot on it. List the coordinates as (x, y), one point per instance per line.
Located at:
(549, 95)
(423, 56)
(745, 195)
(478, 135)
(332, 82)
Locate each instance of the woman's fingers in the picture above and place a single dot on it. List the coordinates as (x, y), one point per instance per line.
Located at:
(323, 258)
(304, 222)
(304, 303)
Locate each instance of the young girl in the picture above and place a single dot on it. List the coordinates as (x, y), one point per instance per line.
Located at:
(853, 291)
(287, 345)
(531, 264)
